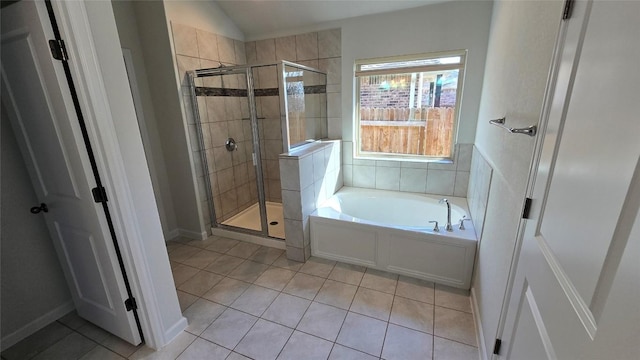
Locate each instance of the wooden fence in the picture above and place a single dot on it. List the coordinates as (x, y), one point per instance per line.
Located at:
(387, 130)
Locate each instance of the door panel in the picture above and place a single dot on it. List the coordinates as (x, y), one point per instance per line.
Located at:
(38, 101)
(588, 174)
(81, 253)
(532, 341)
(21, 46)
(586, 195)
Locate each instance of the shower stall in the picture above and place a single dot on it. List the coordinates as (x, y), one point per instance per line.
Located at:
(246, 116)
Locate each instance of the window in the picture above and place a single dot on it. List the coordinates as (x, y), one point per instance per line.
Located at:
(407, 107)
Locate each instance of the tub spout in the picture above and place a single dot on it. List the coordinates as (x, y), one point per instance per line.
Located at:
(447, 227)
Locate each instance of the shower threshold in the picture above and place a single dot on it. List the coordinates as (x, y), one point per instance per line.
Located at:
(249, 218)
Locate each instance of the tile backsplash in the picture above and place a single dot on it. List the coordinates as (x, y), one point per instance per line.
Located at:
(408, 176)
(478, 193)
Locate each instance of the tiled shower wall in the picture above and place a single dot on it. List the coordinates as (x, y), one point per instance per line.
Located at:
(233, 181)
(321, 50)
(419, 177)
(232, 176)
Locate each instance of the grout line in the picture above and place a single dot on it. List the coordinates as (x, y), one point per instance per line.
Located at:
(433, 327)
(294, 329)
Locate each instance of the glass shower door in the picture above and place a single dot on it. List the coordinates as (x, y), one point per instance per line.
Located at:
(229, 146)
(269, 127)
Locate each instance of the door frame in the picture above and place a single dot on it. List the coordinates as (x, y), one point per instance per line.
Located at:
(90, 34)
(547, 102)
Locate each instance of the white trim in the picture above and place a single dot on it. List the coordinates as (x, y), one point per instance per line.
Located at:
(35, 325)
(192, 234)
(135, 222)
(477, 321)
(170, 235)
(174, 331)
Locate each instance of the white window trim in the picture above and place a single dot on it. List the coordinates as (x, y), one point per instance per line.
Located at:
(357, 154)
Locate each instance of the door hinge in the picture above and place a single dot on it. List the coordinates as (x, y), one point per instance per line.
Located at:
(130, 304)
(527, 208)
(99, 194)
(58, 50)
(568, 6)
(496, 347)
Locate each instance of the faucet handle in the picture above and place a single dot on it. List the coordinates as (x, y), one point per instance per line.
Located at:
(464, 218)
(435, 228)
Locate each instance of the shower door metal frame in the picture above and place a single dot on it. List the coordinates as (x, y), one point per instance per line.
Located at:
(256, 155)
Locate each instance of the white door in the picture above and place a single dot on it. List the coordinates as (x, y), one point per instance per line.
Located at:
(38, 100)
(576, 292)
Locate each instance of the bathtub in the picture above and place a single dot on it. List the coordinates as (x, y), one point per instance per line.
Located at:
(390, 231)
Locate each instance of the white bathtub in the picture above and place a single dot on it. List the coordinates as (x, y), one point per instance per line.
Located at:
(390, 231)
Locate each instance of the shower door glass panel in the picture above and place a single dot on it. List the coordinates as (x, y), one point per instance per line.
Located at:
(228, 139)
(269, 126)
(306, 105)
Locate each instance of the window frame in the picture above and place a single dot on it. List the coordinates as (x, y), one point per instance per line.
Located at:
(461, 67)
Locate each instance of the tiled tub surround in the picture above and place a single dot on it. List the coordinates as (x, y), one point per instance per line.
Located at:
(310, 175)
(389, 231)
(479, 185)
(408, 176)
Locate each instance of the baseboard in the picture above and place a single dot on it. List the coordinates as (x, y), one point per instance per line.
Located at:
(278, 244)
(37, 324)
(193, 234)
(171, 235)
(174, 331)
(482, 349)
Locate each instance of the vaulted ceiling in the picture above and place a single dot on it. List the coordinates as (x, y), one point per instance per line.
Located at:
(258, 17)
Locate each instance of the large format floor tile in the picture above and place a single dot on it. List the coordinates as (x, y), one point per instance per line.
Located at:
(245, 301)
(322, 321)
(401, 343)
(264, 341)
(363, 333)
(287, 310)
(454, 325)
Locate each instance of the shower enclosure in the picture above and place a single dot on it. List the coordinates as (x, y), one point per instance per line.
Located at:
(246, 116)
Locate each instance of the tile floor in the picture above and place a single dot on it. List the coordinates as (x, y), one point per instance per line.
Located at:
(245, 301)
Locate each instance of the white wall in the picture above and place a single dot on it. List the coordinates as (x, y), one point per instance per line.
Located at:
(159, 62)
(154, 39)
(203, 15)
(437, 27)
(518, 59)
(34, 291)
(129, 39)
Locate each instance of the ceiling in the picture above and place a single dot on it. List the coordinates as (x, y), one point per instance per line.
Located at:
(257, 18)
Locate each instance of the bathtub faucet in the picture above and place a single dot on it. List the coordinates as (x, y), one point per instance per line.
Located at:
(447, 227)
